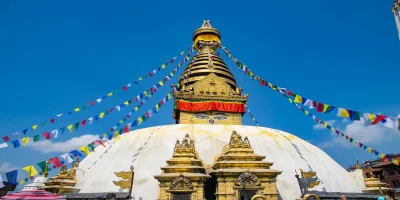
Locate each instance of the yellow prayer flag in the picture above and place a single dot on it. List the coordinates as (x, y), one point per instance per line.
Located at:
(70, 127)
(22, 181)
(116, 135)
(25, 140)
(306, 112)
(85, 149)
(326, 106)
(76, 109)
(332, 129)
(343, 112)
(31, 170)
(34, 127)
(109, 94)
(126, 103)
(396, 162)
(161, 83)
(370, 150)
(383, 155)
(136, 108)
(325, 124)
(101, 115)
(121, 122)
(169, 96)
(140, 79)
(139, 120)
(104, 135)
(163, 66)
(182, 53)
(157, 107)
(371, 117)
(298, 99)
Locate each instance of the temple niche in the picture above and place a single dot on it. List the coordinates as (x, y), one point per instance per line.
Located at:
(183, 177)
(241, 174)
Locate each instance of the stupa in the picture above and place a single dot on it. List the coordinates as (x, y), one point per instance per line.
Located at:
(208, 108)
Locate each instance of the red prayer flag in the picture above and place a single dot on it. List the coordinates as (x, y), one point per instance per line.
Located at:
(126, 129)
(52, 120)
(172, 60)
(83, 123)
(347, 137)
(320, 107)
(56, 162)
(151, 74)
(290, 93)
(337, 131)
(378, 119)
(360, 144)
(47, 135)
(135, 99)
(124, 88)
(127, 116)
(91, 103)
(6, 138)
(111, 109)
(111, 129)
(100, 142)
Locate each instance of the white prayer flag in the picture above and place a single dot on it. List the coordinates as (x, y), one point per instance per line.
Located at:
(90, 120)
(67, 158)
(16, 134)
(59, 115)
(55, 133)
(390, 122)
(98, 100)
(129, 85)
(3, 145)
(118, 108)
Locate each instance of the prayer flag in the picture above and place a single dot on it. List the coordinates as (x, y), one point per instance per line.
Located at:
(378, 119)
(85, 149)
(109, 94)
(101, 115)
(76, 110)
(24, 131)
(42, 165)
(3, 145)
(25, 140)
(67, 158)
(36, 138)
(70, 128)
(47, 135)
(62, 130)
(90, 120)
(328, 108)
(76, 153)
(55, 133)
(83, 123)
(343, 113)
(354, 116)
(34, 127)
(52, 120)
(16, 143)
(77, 125)
(298, 99)
(31, 170)
(12, 176)
(56, 162)
(6, 138)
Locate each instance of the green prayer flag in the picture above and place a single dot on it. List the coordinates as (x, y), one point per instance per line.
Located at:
(77, 125)
(91, 147)
(84, 107)
(43, 123)
(124, 119)
(42, 165)
(144, 117)
(36, 138)
(342, 134)
(106, 113)
(365, 147)
(130, 101)
(351, 140)
(116, 91)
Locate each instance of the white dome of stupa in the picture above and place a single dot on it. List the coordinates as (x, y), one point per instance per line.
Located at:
(286, 151)
(38, 183)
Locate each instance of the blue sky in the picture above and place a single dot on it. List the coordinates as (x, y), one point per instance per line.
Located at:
(55, 56)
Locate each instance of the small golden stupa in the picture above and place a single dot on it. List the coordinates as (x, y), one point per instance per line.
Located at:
(63, 182)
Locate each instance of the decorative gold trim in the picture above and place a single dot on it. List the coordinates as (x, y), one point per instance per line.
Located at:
(259, 197)
(209, 97)
(310, 195)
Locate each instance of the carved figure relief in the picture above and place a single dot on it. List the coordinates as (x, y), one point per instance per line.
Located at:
(181, 183)
(251, 180)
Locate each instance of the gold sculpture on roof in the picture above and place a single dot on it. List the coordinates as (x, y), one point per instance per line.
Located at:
(187, 146)
(127, 179)
(237, 142)
(310, 174)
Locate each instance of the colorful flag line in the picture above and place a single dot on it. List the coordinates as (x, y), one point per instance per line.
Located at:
(83, 151)
(282, 91)
(100, 99)
(367, 118)
(146, 94)
(251, 115)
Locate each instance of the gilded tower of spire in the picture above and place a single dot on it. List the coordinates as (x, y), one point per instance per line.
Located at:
(207, 92)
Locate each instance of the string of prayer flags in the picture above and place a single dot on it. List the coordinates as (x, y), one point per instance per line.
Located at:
(75, 126)
(251, 115)
(110, 94)
(367, 118)
(81, 152)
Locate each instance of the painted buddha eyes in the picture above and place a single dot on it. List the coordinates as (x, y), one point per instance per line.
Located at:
(217, 116)
(201, 115)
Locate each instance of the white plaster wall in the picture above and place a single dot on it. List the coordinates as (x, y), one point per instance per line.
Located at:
(358, 178)
(288, 152)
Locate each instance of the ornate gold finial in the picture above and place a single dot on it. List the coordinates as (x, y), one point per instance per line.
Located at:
(186, 146)
(206, 24)
(46, 169)
(206, 36)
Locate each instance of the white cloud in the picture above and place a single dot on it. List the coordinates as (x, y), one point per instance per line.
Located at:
(370, 135)
(6, 167)
(48, 146)
(320, 126)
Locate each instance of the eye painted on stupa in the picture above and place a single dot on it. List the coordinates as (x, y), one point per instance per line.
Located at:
(201, 115)
(220, 116)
